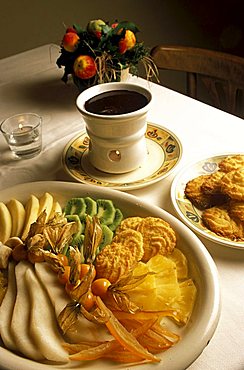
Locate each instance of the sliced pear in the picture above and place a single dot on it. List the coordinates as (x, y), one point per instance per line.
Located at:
(43, 325)
(31, 213)
(6, 310)
(54, 289)
(5, 253)
(83, 329)
(46, 204)
(17, 211)
(5, 222)
(56, 209)
(21, 315)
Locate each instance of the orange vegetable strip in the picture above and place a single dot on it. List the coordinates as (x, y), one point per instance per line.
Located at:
(131, 324)
(153, 340)
(125, 338)
(155, 349)
(135, 325)
(145, 315)
(106, 350)
(95, 350)
(94, 353)
(157, 328)
(156, 336)
(125, 357)
(72, 348)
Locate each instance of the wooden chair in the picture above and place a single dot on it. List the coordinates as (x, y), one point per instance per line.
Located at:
(221, 73)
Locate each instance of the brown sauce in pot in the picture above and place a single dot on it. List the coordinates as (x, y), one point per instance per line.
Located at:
(116, 102)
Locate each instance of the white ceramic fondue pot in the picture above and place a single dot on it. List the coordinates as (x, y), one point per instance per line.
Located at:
(117, 142)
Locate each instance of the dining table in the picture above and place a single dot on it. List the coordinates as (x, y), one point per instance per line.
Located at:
(31, 82)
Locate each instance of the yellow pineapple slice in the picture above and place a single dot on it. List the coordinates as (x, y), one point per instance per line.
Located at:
(165, 279)
(162, 283)
(187, 299)
(181, 263)
(163, 290)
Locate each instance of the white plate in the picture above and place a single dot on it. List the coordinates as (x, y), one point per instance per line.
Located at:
(189, 213)
(200, 328)
(164, 153)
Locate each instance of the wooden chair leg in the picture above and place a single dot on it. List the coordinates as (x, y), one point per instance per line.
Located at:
(191, 84)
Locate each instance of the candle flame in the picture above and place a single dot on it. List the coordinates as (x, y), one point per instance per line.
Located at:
(20, 126)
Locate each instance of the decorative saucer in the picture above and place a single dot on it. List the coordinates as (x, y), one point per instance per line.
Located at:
(164, 153)
(188, 213)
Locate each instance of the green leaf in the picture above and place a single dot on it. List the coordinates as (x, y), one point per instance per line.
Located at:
(77, 28)
(128, 26)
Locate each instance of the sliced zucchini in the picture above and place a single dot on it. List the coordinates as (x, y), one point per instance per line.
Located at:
(117, 219)
(107, 236)
(75, 206)
(105, 211)
(91, 206)
(80, 225)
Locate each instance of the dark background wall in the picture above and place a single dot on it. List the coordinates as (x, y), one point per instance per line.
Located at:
(222, 23)
(213, 24)
(216, 24)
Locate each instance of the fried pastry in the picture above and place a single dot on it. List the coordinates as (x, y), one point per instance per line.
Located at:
(119, 257)
(232, 184)
(218, 220)
(158, 237)
(236, 209)
(232, 163)
(221, 197)
(193, 191)
(211, 184)
(129, 223)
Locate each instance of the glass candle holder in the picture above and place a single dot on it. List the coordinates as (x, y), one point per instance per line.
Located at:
(23, 133)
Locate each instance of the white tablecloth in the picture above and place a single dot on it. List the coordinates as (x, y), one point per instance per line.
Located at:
(30, 81)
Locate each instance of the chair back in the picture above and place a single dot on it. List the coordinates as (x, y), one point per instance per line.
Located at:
(221, 73)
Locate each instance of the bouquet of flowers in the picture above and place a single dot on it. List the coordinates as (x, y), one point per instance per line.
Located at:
(100, 52)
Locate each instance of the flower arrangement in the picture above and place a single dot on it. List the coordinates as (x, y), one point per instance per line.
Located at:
(101, 52)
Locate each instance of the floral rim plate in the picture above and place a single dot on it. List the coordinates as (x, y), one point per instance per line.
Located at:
(164, 153)
(205, 315)
(189, 213)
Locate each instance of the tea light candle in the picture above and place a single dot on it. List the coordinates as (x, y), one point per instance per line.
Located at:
(22, 134)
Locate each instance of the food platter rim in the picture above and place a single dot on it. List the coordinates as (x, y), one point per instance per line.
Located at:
(213, 306)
